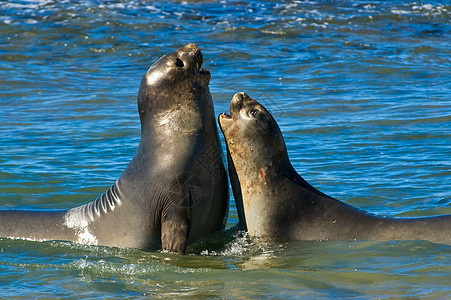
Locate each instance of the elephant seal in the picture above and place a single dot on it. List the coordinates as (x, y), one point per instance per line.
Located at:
(175, 189)
(274, 201)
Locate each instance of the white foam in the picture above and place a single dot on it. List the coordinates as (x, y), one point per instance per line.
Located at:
(26, 239)
(75, 219)
(400, 12)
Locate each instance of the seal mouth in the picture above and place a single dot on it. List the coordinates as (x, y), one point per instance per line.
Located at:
(225, 122)
(204, 76)
(235, 106)
(226, 115)
(198, 59)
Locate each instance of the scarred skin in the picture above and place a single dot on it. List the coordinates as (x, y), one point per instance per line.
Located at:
(274, 201)
(175, 189)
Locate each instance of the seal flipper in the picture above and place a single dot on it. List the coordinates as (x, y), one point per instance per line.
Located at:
(175, 228)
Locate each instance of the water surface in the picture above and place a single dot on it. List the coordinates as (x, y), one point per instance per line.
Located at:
(361, 91)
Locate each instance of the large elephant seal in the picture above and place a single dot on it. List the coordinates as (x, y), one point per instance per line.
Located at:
(175, 189)
(273, 201)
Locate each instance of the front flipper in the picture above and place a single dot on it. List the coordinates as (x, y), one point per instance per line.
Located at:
(175, 228)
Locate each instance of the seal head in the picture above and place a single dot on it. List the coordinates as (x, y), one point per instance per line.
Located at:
(252, 135)
(170, 77)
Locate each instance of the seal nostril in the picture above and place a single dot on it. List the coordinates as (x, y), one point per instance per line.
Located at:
(179, 63)
(239, 96)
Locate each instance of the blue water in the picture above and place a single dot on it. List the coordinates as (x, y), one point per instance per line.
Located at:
(360, 89)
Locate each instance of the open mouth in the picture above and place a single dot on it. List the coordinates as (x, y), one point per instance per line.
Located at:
(226, 116)
(225, 122)
(204, 76)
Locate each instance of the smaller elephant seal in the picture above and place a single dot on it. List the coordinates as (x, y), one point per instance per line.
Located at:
(274, 201)
(175, 189)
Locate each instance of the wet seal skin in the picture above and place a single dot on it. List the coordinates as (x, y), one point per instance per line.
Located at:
(275, 202)
(175, 189)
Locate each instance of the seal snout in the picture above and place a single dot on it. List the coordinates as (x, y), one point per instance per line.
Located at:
(238, 101)
(191, 56)
(190, 48)
(225, 119)
(239, 97)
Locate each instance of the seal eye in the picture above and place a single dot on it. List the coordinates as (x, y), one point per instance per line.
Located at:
(179, 63)
(253, 112)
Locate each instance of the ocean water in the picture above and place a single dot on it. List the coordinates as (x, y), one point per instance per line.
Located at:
(360, 89)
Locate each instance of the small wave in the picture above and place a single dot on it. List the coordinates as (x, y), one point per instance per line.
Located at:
(238, 246)
(103, 267)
